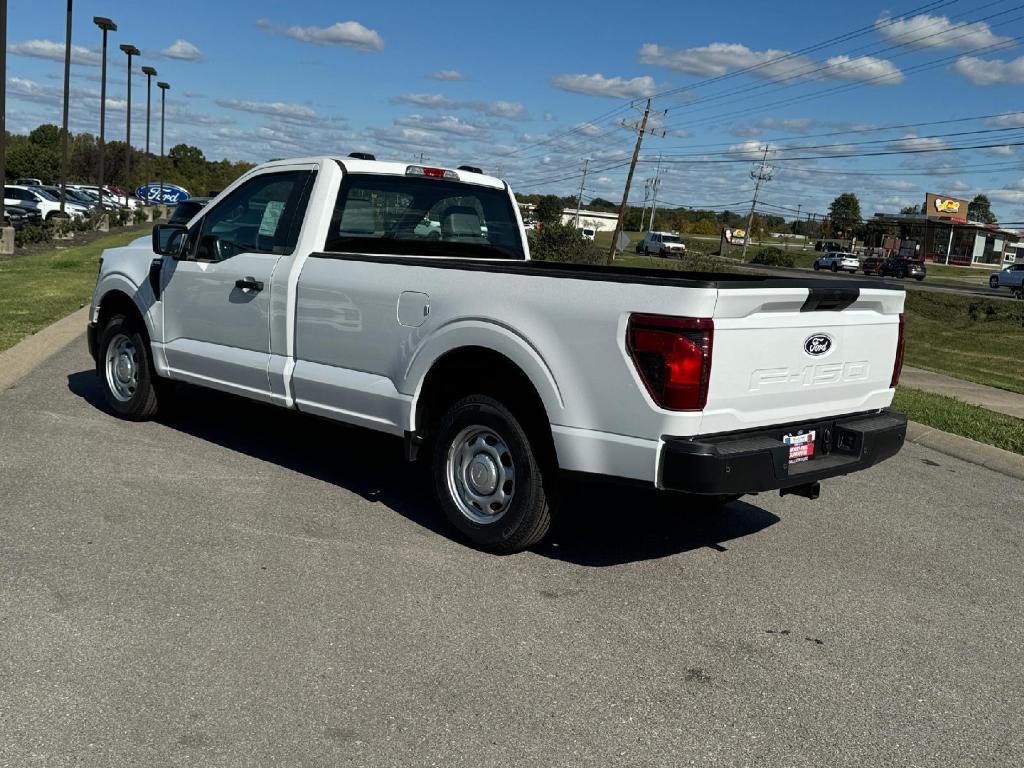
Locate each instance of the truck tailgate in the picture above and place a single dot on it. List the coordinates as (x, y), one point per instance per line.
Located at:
(783, 355)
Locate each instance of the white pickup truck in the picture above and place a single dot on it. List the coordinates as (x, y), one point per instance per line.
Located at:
(312, 284)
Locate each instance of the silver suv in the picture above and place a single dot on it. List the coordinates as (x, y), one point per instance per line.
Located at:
(847, 262)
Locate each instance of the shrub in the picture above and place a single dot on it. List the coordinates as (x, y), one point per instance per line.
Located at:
(557, 242)
(139, 217)
(772, 257)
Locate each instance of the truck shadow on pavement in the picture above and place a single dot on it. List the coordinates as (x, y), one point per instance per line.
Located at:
(600, 524)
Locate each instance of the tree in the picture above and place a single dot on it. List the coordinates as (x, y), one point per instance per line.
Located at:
(549, 210)
(910, 210)
(844, 213)
(980, 209)
(705, 227)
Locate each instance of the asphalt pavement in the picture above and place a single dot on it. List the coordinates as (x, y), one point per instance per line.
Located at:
(241, 586)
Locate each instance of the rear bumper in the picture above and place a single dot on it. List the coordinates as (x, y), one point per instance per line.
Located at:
(757, 460)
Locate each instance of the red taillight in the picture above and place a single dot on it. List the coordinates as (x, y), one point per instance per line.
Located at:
(434, 173)
(673, 357)
(897, 367)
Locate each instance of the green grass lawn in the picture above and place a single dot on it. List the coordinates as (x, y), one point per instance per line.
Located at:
(976, 339)
(951, 415)
(39, 289)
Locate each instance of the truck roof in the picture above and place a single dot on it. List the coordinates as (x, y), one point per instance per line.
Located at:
(390, 168)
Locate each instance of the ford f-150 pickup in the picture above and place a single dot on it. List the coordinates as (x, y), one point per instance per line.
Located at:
(313, 284)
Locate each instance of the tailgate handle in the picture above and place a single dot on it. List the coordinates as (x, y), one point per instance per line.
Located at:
(830, 299)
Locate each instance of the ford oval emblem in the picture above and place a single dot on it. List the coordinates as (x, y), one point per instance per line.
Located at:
(818, 344)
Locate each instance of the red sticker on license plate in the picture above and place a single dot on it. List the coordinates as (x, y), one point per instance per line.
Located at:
(801, 446)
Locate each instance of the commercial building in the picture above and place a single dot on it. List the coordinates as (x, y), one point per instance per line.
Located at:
(599, 221)
(942, 234)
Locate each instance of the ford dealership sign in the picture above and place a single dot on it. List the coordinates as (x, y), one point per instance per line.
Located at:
(171, 194)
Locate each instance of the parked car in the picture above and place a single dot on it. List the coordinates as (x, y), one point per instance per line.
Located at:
(110, 200)
(502, 371)
(47, 205)
(872, 265)
(29, 183)
(74, 197)
(662, 244)
(15, 217)
(898, 266)
(827, 246)
(187, 209)
(835, 261)
(1010, 276)
(587, 233)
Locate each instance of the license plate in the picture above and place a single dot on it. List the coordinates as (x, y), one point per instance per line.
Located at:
(801, 445)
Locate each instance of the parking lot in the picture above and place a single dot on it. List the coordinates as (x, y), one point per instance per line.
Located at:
(241, 586)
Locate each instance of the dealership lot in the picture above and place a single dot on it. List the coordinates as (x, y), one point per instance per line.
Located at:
(241, 586)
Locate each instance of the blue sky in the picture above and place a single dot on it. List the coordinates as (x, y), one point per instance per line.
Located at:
(529, 89)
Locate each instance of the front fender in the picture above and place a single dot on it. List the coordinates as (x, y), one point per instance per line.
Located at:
(490, 335)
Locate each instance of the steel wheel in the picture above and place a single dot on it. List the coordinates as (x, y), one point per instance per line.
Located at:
(122, 367)
(480, 473)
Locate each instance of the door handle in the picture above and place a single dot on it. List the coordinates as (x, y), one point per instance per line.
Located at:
(249, 284)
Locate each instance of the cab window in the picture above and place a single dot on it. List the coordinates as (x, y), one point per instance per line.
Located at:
(263, 215)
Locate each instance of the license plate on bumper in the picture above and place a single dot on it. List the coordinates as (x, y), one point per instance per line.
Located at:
(801, 445)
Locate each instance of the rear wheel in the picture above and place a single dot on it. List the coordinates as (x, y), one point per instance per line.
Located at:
(993, 282)
(126, 372)
(817, 266)
(488, 477)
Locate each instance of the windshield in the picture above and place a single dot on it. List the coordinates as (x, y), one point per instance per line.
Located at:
(669, 239)
(45, 195)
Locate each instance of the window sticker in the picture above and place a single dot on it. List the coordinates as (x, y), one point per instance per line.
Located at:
(271, 217)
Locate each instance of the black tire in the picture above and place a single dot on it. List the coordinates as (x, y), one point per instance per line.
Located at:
(835, 267)
(142, 402)
(993, 282)
(919, 278)
(902, 275)
(527, 518)
(817, 267)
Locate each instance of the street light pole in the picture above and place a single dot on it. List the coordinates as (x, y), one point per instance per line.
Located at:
(64, 123)
(131, 50)
(107, 26)
(149, 72)
(163, 105)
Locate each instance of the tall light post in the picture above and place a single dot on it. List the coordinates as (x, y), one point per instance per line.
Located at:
(107, 26)
(8, 239)
(131, 50)
(164, 87)
(150, 73)
(64, 123)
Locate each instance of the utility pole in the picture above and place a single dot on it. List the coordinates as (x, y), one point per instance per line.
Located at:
(761, 174)
(629, 180)
(647, 196)
(163, 109)
(655, 187)
(798, 207)
(579, 200)
(6, 237)
(64, 122)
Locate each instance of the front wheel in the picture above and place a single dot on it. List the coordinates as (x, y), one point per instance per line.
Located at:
(488, 477)
(993, 282)
(817, 267)
(126, 373)
(835, 267)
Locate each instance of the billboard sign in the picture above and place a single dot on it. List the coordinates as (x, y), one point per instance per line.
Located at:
(946, 207)
(172, 194)
(734, 236)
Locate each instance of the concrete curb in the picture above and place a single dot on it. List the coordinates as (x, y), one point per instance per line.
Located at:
(988, 456)
(18, 361)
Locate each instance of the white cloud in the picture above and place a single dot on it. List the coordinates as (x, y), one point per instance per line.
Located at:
(990, 71)
(587, 129)
(509, 110)
(599, 85)
(863, 69)
(915, 143)
(752, 149)
(54, 51)
(791, 125)
(1006, 195)
(719, 59)
(444, 124)
(182, 50)
(447, 74)
(274, 109)
(1004, 150)
(926, 31)
(1009, 120)
(351, 34)
(550, 117)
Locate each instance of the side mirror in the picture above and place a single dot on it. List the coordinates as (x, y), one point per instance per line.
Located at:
(169, 240)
